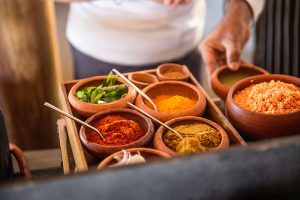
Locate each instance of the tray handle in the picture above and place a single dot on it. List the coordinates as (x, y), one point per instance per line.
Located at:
(21, 160)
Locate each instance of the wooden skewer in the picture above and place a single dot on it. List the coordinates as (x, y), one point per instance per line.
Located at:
(73, 118)
(136, 88)
(156, 120)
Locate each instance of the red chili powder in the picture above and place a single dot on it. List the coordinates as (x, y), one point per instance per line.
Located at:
(116, 129)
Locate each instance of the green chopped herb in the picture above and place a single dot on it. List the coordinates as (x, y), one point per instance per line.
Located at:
(108, 91)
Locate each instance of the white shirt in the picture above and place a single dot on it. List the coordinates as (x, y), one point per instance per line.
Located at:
(135, 32)
(257, 7)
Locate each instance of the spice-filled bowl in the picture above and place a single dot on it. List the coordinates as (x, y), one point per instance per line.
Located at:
(131, 157)
(265, 106)
(173, 99)
(199, 135)
(91, 95)
(122, 129)
(172, 72)
(223, 78)
(141, 79)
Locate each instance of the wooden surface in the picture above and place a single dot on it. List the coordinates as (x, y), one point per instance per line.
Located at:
(61, 126)
(83, 159)
(78, 153)
(29, 72)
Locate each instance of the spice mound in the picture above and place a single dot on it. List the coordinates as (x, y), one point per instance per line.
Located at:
(274, 97)
(169, 103)
(196, 137)
(117, 130)
(173, 74)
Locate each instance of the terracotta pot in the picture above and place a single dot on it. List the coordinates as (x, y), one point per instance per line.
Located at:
(221, 89)
(103, 150)
(88, 109)
(142, 80)
(172, 67)
(173, 88)
(160, 145)
(145, 152)
(21, 160)
(253, 125)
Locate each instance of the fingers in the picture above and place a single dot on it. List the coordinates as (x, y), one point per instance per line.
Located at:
(233, 54)
(209, 57)
(176, 2)
(168, 2)
(173, 3)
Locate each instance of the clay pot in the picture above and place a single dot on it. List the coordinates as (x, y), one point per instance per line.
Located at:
(102, 150)
(172, 67)
(147, 153)
(21, 160)
(160, 145)
(253, 125)
(142, 80)
(173, 88)
(88, 109)
(221, 89)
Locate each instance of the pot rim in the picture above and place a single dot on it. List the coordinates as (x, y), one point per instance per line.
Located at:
(74, 89)
(162, 77)
(161, 130)
(130, 77)
(200, 101)
(215, 75)
(87, 144)
(236, 87)
(157, 152)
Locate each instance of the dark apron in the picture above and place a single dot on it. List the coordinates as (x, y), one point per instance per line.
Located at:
(278, 37)
(86, 66)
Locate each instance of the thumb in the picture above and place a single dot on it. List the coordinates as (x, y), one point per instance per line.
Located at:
(233, 54)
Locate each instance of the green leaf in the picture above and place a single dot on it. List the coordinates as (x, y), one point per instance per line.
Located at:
(81, 96)
(98, 97)
(114, 88)
(109, 80)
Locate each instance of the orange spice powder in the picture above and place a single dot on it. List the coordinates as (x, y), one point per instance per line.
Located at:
(274, 97)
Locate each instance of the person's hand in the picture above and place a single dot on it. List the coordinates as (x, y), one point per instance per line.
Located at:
(173, 3)
(225, 43)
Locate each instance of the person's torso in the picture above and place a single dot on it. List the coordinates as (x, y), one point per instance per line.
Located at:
(135, 32)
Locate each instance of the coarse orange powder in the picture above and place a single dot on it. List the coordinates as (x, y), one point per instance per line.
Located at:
(274, 97)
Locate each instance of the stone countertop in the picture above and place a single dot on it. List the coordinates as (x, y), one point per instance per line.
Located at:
(261, 170)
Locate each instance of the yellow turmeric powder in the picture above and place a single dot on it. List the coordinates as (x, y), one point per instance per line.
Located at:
(169, 103)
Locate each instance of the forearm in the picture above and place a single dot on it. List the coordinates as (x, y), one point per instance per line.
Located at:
(238, 10)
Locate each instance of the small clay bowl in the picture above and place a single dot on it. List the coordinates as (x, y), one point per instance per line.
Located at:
(254, 125)
(147, 153)
(101, 151)
(88, 109)
(222, 89)
(172, 67)
(173, 88)
(160, 145)
(142, 80)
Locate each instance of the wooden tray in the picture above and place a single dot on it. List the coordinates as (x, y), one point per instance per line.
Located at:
(83, 160)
